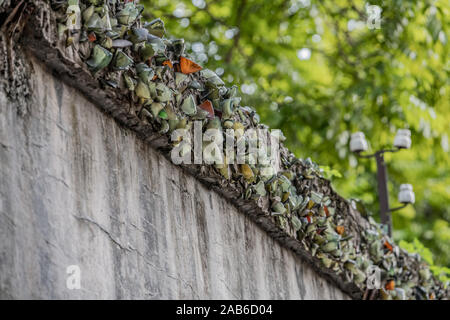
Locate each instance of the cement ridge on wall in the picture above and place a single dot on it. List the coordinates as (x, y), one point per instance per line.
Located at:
(323, 228)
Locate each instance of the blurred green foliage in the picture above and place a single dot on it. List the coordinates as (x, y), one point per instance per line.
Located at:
(317, 71)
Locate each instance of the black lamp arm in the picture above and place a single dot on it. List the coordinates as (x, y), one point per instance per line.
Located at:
(358, 154)
(398, 208)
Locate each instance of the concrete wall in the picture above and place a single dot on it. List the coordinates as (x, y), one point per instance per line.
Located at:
(77, 189)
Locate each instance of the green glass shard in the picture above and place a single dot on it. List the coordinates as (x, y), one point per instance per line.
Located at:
(212, 78)
(227, 108)
(171, 115)
(120, 31)
(164, 127)
(147, 51)
(233, 92)
(314, 248)
(326, 262)
(284, 183)
(62, 28)
(121, 43)
(160, 70)
(316, 197)
(293, 201)
(296, 223)
(228, 124)
(177, 47)
(130, 82)
(330, 246)
(155, 108)
(350, 265)
(107, 42)
(288, 174)
(163, 114)
(155, 27)
(142, 90)
(318, 239)
(129, 13)
(213, 95)
(358, 276)
(138, 35)
(195, 85)
(173, 124)
(112, 34)
(100, 58)
(152, 87)
(158, 45)
(278, 208)
(184, 124)
(95, 23)
(113, 21)
(311, 228)
(179, 78)
(256, 118)
(122, 61)
(160, 59)
(87, 14)
(260, 189)
(331, 235)
(163, 92)
(178, 98)
(189, 107)
(106, 22)
(145, 73)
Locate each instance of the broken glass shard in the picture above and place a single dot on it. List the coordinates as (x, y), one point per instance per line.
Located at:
(129, 13)
(121, 43)
(100, 58)
(142, 90)
(207, 106)
(122, 61)
(189, 107)
(212, 78)
(155, 27)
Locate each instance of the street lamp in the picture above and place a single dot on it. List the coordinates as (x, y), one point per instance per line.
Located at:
(402, 140)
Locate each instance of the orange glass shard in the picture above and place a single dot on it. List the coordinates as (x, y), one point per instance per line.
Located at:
(188, 66)
(388, 246)
(92, 37)
(390, 285)
(168, 63)
(207, 106)
(327, 212)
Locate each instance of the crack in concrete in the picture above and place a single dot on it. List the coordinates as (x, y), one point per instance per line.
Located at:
(120, 245)
(5, 146)
(132, 249)
(57, 179)
(11, 220)
(229, 290)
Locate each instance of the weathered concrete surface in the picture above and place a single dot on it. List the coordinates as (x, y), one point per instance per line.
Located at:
(77, 189)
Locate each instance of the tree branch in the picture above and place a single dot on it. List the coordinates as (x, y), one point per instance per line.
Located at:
(238, 20)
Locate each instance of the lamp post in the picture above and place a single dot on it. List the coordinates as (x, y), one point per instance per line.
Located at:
(358, 144)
